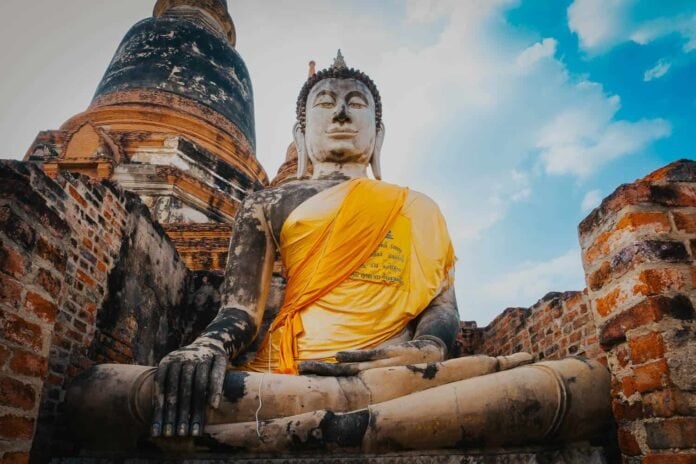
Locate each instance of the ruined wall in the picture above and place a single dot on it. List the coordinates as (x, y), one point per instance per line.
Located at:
(638, 249)
(85, 277)
(558, 325)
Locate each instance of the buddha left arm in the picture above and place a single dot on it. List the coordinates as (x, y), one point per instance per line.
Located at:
(436, 329)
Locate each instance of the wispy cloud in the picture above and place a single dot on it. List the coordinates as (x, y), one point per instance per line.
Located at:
(657, 71)
(532, 280)
(603, 24)
(591, 200)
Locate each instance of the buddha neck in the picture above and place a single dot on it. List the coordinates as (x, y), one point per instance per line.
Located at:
(323, 170)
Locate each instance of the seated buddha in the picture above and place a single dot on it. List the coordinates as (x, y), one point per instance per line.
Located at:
(356, 356)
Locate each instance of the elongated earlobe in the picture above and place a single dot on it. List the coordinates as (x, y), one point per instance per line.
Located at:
(302, 158)
(375, 160)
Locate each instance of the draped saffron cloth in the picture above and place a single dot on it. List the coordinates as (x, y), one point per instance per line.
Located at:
(357, 271)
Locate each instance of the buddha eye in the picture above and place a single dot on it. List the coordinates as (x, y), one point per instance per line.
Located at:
(324, 101)
(356, 103)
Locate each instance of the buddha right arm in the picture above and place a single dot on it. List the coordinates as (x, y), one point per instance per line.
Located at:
(192, 377)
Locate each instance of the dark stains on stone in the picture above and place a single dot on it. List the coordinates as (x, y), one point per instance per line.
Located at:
(234, 386)
(681, 308)
(345, 430)
(179, 56)
(428, 372)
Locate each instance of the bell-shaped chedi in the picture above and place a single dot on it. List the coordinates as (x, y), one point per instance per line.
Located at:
(172, 120)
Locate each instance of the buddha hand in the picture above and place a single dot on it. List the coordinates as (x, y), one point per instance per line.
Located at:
(355, 361)
(188, 380)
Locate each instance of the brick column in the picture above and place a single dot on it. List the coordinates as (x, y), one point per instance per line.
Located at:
(638, 249)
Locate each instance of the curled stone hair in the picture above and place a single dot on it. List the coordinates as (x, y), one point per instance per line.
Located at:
(338, 70)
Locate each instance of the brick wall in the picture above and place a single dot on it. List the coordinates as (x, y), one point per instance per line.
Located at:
(558, 325)
(85, 276)
(638, 249)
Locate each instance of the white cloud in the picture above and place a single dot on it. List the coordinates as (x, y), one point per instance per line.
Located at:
(657, 71)
(591, 200)
(532, 280)
(580, 139)
(531, 55)
(598, 23)
(603, 24)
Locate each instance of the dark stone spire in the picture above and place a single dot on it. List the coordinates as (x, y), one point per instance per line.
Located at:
(210, 13)
(183, 50)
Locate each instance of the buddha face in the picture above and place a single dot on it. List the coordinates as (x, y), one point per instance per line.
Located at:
(340, 122)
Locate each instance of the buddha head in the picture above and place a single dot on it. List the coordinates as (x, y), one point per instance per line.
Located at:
(339, 120)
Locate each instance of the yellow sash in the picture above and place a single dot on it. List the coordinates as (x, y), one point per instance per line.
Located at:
(339, 248)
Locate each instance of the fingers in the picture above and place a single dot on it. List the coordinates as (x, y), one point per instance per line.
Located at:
(170, 398)
(199, 399)
(185, 391)
(160, 386)
(359, 355)
(217, 377)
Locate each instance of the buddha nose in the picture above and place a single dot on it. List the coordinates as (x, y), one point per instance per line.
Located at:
(341, 116)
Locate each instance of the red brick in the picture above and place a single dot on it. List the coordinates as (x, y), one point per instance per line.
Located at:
(673, 195)
(76, 195)
(11, 261)
(669, 458)
(10, 291)
(658, 221)
(41, 307)
(14, 427)
(663, 403)
(48, 282)
(672, 433)
(51, 253)
(646, 347)
(651, 309)
(601, 276)
(685, 222)
(657, 281)
(4, 354)
(87, 280)
(19, 331)
(628, 386)
(15, 457)
(16, 394)
(628, 443)
(606, 304)
(652, 376)
(17, 229)
(25, 363)
(625, 411)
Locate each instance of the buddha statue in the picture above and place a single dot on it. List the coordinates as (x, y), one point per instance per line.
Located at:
(357, 355)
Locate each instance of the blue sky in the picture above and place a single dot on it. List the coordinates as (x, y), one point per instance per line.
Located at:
(516, 116)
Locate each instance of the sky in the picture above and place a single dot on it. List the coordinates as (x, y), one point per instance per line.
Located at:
(516, 116)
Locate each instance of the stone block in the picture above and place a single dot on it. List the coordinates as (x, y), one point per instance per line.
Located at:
(672, 433)
(651, 309)
(16, 394)
(41, 307)
(652, 376)
(646, 347)
(16, 330)
(13, 427)
(29, 364)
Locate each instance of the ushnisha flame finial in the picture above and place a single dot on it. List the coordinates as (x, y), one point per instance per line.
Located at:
(339, 61)
(312, 69)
